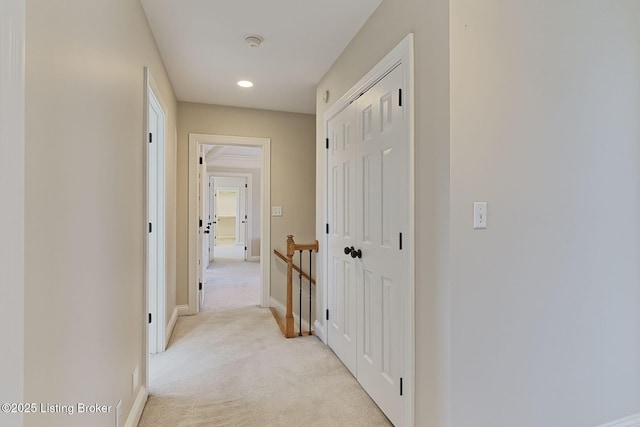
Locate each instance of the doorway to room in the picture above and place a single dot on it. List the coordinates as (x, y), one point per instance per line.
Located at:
(229, 223)
(231, 278)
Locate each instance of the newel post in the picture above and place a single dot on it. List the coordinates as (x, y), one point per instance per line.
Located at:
(288, 326)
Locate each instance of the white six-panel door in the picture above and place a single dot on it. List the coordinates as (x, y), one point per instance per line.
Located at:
(342, 234)
(368, 210)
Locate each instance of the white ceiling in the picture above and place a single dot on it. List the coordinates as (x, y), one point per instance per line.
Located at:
(203, 48)
(233, 156)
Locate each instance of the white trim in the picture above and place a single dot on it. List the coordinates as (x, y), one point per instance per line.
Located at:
(138, 406)
(153, 94)
(12, 194)
(265, 206)
(319, 330)
(401, 54)
(282, 310)
(171, 326)
(183, 310)
(630, 421)
(248, 204)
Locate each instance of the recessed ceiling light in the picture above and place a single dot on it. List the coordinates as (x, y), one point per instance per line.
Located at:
(245, 83)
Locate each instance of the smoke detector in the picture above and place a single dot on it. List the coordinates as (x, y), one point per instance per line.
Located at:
(253, 40)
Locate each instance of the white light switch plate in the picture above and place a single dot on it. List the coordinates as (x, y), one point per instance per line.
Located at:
(479, 215)
(276, 210)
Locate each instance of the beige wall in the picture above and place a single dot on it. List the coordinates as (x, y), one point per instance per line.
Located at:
(292, 175)
(545, 128)
(540, 324)
(84, 315)
(12, 164)
(391, 22)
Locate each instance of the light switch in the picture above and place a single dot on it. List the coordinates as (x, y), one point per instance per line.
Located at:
(479, 215)
(276, 210)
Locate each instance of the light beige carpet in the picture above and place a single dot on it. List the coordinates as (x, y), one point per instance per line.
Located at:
(231, 284)
(234, 368)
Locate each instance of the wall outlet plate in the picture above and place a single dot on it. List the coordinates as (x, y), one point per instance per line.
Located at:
(276, 210)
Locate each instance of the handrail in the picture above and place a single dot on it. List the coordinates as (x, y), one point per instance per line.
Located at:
(295, 267)
(292, 247)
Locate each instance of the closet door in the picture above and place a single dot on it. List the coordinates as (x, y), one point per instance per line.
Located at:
(381, 208)
(342, 236)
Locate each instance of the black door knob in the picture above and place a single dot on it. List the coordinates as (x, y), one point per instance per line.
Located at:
(347, 250)
(356, 253)
(206, 231)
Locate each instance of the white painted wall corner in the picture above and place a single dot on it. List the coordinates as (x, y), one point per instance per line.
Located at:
(183, 310)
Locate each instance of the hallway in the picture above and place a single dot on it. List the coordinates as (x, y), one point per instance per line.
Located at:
(234, 368)
(231, 283)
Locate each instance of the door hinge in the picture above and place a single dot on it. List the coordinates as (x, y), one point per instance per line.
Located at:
(327, 228)
(200, 286)
(200, 222)
(400, 97)
(150, 227)
(150, 137)
(327, 143)
(400, 238)
(200, 160)
(327, 314)
(400, 386)
(149, 318)
(245, 248)
(246, 186)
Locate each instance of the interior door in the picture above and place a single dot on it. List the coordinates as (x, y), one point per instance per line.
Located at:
(211, 221)
(202, 241)
(382, 211)
(342, 236)
(242, 217)
(152, 209)
(368, 212)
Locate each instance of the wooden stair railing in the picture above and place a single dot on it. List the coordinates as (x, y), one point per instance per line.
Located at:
(292, 247)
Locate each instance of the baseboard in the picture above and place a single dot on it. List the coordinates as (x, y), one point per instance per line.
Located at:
(253, 258)
(138, 406)
(630, 421)
(282, 310)
(183, 310)
(170, 326)
(319, 330)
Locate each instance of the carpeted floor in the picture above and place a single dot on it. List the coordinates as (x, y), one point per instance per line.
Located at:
(231, 284)
(234, 368)
(230, 366)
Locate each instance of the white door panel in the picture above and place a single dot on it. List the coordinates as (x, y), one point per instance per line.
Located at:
(367, 203)
(342, 223)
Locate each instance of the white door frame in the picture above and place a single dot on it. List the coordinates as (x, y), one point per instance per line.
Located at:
(152, 91)
(248, 206)
(195, 140)
(401, 54)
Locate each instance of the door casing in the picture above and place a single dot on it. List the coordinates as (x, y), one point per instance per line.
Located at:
(195, 141)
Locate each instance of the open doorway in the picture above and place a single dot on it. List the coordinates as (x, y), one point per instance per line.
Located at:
(231, 212)
(229, 184)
